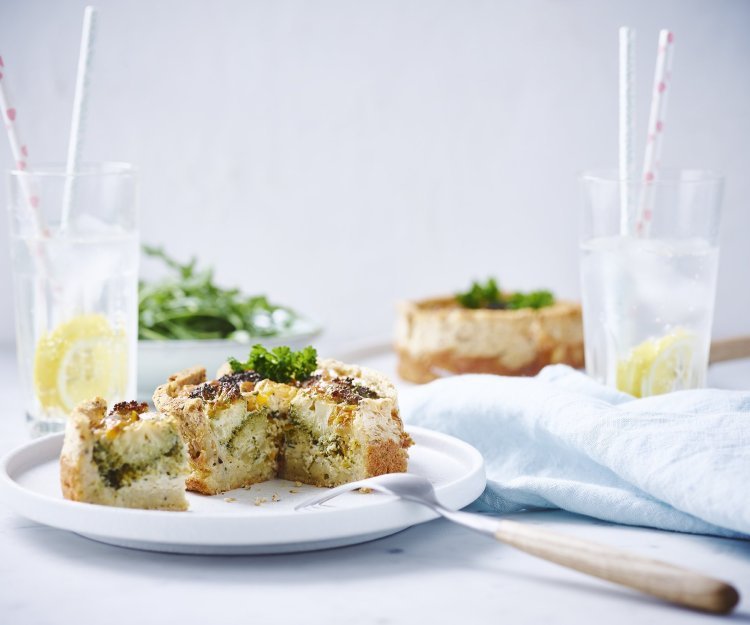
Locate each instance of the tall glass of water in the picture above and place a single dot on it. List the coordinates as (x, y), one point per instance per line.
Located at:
(648, 279)
(74, 247)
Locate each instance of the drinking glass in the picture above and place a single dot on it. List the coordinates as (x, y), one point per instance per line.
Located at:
(648, 279)
(74, 248)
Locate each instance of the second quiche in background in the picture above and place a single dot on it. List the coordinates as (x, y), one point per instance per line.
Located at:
(486, 330)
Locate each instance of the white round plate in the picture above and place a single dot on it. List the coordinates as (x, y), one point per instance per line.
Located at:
(157, 360)
(30, 483)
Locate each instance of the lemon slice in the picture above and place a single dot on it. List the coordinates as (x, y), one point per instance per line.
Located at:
(632, 370)
(80, 359)
(659, 366)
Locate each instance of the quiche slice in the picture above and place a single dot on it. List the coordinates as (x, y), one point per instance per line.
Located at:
(128, 457)
(340, 424)
(344, 425)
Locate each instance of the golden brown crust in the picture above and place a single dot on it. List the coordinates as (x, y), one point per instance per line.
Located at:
(432, 366)
(386, 457)
(198, 485)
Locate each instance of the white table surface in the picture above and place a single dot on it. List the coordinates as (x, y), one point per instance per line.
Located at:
(432, 573)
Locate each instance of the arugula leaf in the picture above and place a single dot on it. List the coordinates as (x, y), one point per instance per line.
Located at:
(488, 295)
(280, 364)
(190, 305)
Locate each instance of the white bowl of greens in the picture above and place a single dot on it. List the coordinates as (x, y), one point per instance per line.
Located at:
(185, 319)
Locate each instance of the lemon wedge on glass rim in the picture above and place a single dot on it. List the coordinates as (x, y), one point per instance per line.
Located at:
(79, 359)
(659, 366)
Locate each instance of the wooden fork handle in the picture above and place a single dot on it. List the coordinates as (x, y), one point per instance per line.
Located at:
(652, 577)
(730, 349)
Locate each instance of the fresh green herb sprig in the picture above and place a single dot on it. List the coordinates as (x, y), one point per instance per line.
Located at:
(189, 305)
(280, 364)
(482, 296)
(488, 295)
(533, 299)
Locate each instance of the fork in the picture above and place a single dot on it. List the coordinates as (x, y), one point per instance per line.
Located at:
(653, 577)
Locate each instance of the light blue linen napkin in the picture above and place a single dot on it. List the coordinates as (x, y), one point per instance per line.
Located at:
(560, 440)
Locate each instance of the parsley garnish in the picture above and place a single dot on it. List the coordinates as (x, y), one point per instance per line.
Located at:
(534, 299)
(280, 364)
(488, 295)
(482, 296)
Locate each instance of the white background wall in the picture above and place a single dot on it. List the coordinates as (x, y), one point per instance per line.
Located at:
(339, 155)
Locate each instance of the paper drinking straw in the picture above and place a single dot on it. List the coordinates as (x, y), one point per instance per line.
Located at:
(79, 110)
(626, 126)
(662, 82)
(20, 152)
(38, 229)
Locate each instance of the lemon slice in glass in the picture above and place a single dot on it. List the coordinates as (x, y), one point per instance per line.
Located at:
(659, 366)
(632, 369)
(80, 359)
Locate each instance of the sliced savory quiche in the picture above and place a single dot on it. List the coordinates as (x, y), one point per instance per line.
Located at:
(128, 457)
(339, 424)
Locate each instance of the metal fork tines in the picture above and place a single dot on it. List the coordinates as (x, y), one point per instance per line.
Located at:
(410, 488)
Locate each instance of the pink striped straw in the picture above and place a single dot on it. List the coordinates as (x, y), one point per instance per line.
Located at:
(662, 82)
(20, 153)
(39, 230)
